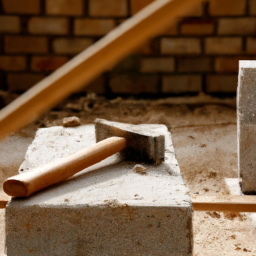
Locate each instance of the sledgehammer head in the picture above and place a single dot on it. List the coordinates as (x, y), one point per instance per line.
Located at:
(143, 144)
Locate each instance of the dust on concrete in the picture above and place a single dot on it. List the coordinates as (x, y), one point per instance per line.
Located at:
(204, 137)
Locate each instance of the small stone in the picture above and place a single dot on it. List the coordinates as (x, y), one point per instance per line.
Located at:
(140, 169)
(71, 121)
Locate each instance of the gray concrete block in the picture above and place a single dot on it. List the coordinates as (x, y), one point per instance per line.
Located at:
(107, 209)
(246, 115)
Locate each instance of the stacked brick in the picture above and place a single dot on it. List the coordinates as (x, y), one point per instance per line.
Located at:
(200, 53)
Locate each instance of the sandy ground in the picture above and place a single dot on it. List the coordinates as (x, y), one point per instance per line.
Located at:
(204, 136)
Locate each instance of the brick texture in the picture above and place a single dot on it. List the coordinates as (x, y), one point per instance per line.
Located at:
(237, 26)
(55, 26)
(9, 24)
(47, 63)
(20, 82)
(181, 84)
(194, 64)
(25, 44)
(230, 64)
(180, 46)
(227, 7)
(93, 27)
(97, 86)
(71, 45)
(108, 8)
(251, 45)
(151, 65)
(252, 7)
(221, 45)
(13, 63)
(65, 7)
(221, 83)
(21, 7)
(197, 27)
(133, 84)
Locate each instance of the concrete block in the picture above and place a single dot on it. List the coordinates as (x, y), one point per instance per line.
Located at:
(246, 113)
(107, 209)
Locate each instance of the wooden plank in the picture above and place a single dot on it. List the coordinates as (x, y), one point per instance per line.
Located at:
(224, 203)
(91, 62)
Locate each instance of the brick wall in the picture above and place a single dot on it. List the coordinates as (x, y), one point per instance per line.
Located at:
(200, 53)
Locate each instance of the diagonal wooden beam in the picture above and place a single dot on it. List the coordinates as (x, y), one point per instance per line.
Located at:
(87, 65)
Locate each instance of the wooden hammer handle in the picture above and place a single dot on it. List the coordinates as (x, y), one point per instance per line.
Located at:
(27, 183)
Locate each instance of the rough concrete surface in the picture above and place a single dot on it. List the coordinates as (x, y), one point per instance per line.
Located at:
(204, 134)
(246, 102)
(105, 210)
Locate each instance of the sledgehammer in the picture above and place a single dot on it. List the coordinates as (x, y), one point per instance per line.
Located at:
(112, 137)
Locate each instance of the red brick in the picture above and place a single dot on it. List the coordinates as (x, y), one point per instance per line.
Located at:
(147, 48)
(229, 64)
(9, 24)
(21, 6)
(108, 8)
(133, 84)
(221, 83)
(223, 45)
(55, 26)
(71, 45)
(137, 5)
(97, 86)
(227, 7)
(181, 84)
(13, 63)
(64, 7)
(252, 7)
(20, 82)
(47, 63)
(150, 65)
(194, 64)
(237, 26)
(251, 45)
(93, 27)
(197, 27)
(26, 44)
(180, 46)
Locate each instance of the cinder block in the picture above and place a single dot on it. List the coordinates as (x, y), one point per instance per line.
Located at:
(71, 45)
(93, 27)
(25, 44)
(21, 7)
(180, 46)
(13, 63)
(65, 7)
(181, 84)
(197, 27)
(20, 82)
(246, 113)
(237, 26)
(9, 24)
(108, 8)
(106, 210)
(194, 64)
(223, 45)
(47, 63)
(151, 65)
(55, 26)
(221, 83)
(133, 84)
(227, 7)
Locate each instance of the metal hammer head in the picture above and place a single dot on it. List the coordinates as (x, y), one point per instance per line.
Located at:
(143, 144)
